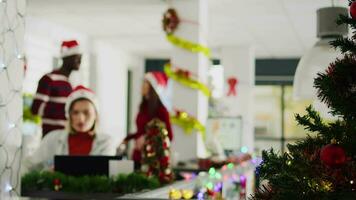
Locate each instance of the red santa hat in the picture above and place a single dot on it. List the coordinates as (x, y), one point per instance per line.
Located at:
(80, 92)
(159, 82)
(70, 48)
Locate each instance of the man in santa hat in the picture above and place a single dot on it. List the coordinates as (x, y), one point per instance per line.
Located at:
(54, 88)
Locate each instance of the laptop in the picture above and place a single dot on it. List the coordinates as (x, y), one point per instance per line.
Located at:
(83, 165)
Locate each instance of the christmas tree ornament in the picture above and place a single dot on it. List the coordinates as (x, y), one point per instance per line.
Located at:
(164, 161)
(166, 143)
(333, 155)
(353, 10)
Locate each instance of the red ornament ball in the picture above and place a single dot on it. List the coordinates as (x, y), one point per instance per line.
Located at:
(353, 10)
(333, 155)
(164, 161)
(57, 181)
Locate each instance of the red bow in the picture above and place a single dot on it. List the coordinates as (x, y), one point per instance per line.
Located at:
(232, 86)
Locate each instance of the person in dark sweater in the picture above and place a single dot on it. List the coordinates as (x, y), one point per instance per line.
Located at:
(54, 88)
(152, 106)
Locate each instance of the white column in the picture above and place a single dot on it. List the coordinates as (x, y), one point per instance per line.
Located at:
(110, 83)
(11, 77)
(192, 101)
(239, 62)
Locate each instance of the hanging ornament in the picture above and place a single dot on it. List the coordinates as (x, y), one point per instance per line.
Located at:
(353, 10)
(333, 155)
(232, 81)
(170, 21)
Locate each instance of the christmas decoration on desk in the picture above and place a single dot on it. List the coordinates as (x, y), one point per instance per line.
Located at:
(184, 77)
(175, 194)
(156, 153)
(37, 181)
(187, 122)
(57, 184)
(313, 168)
(232, 82)
(180, 194)
(170, 21)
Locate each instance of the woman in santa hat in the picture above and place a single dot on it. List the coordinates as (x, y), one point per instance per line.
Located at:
(153, 105)
(81, 137)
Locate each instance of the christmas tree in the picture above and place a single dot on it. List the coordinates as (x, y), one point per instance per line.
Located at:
(323, 165)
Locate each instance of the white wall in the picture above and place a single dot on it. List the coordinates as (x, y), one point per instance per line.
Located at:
(109, 80)
(42, 45)
(239, 62)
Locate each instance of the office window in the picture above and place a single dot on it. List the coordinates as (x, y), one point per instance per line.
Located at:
(275, 124)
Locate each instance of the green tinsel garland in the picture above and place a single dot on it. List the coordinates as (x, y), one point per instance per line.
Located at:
(122, 184)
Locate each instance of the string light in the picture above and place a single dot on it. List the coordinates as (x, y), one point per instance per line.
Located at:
(200, 195)
(9, 35)
(8, 187)
(218, 176)
(289, 162)
(244, 149)
(12, 125)
(210, 185)
(230, 166)
(212, 171)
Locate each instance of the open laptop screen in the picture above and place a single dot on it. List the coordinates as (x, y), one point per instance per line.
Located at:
(83, 165)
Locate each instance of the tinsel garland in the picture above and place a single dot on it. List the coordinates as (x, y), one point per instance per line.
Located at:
(187, 123)
(27, 113)
(186, 80)
(189, 46)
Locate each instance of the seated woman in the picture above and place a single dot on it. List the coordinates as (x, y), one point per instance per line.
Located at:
(81, 136)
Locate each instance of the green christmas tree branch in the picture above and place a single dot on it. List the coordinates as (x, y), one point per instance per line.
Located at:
(344, 44)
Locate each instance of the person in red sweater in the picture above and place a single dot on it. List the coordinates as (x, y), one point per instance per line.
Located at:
(153, 105)
(54, 88)
(81, 136)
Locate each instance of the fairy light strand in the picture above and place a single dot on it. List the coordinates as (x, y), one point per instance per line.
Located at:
(12, 15)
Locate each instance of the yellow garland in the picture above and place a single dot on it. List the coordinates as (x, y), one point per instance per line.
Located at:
(187, 45)
(188, 123)
(27, 113)
(186, 81)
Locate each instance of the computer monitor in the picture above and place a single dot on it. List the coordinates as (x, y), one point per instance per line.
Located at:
(83, 165)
